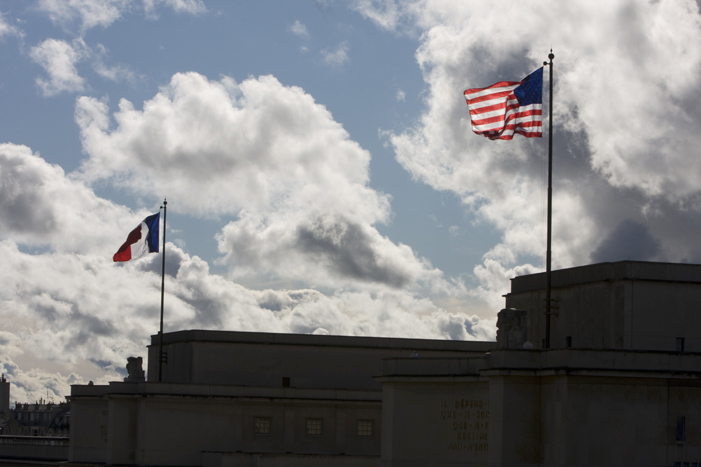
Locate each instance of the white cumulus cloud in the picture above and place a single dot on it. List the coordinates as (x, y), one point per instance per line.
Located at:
(336, 56)
(273, 157)
(59, 59)
(299, 29)
(90, 13)
(7, 29)
(193, 7)
(626, 177)
(119, 72)
(40, 206)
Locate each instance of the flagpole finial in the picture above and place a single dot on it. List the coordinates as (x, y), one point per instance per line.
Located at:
(551, 55)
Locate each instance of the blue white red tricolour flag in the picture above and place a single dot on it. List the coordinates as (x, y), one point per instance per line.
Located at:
(508, 107)
(142, 240)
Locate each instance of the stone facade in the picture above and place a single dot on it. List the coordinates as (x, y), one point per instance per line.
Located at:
(625, 305)
(228, 398)
(620, 386)
(532, 407)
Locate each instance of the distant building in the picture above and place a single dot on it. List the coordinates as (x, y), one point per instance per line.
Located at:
(32, 432)
(39, 419)
(4, 396)
(621, 385)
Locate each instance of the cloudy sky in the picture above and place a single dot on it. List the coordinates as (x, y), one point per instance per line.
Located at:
(319, 166)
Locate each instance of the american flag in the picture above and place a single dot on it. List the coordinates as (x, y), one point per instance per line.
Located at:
(508, 107)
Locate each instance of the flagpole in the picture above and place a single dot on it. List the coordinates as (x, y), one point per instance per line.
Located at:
(163, 284)
(548, 254)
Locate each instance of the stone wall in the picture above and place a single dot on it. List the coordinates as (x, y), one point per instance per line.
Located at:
(173, 424)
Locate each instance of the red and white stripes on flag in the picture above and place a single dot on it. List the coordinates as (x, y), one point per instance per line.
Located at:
(508, 107)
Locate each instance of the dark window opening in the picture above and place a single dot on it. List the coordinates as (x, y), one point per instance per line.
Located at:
(681, 430)
(680, 344)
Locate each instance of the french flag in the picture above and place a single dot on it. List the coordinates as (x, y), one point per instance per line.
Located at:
(142, 240)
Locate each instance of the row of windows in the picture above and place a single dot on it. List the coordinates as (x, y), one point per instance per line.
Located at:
(313, 427)
(33, 415)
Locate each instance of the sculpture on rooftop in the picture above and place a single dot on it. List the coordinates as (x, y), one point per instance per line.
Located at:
(512, 329)
(135, 372)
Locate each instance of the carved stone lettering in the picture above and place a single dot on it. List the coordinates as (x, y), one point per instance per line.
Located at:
(469, 422)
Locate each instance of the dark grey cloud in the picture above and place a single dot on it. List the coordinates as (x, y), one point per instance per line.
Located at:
(11, 369)
(455, 329)
(40, 206)
(631, 240)
(271, 301)
(95, 326)
(73, 379)
(277, 300)
(108, 366)
(56, 309)
(24, 208)
(102, 363)
(348, 251)
(154, 262)
(210, 311)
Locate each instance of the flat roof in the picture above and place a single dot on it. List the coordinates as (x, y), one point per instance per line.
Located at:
(621, 270)
(271, 338)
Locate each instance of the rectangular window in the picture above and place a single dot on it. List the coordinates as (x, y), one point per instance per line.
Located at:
(314, 426)
(261, 425)
(681, 430)
(365, 428)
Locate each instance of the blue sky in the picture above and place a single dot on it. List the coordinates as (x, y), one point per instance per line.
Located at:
(319, 165)
(375, 85)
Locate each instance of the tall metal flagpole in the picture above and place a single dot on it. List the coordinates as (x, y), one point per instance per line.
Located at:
(548, 254)
(163, 285)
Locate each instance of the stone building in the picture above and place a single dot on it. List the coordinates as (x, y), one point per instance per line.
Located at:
(230, 397)
(39, 419)
(620, 385)
(4, 396)
(35, 434)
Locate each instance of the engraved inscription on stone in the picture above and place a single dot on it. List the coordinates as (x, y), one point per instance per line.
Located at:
(469, 421)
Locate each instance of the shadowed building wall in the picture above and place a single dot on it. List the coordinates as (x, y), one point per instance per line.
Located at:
(621, 386)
